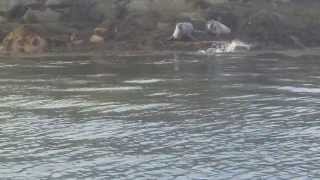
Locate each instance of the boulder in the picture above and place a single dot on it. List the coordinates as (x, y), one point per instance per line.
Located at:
(17, 8)
(99, 35)
(79, 10)
(27, 3)
(163, 26)
(24, 39)
(2, 20)
(75, 39)
(96, 39)
(101, 31)
(267, 27)
(42, 16)
(58, 4)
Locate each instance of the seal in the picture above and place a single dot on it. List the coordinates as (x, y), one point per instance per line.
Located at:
(217, 28)
(183, 30)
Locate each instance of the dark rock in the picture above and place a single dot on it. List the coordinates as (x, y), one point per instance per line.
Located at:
(16, 12)
(42, 16)
(135, 24)
(58, 4)
(267, 27)
(3, 20)
(17, 8)
(79, 11)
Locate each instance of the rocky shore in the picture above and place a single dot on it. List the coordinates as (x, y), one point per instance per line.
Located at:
(80, 26)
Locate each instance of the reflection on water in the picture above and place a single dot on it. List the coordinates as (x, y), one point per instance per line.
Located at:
(160, 117)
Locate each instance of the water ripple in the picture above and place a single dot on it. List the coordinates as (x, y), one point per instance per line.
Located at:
(125, 88)
(195, 118)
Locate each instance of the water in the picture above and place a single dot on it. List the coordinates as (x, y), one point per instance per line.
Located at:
(241, 116)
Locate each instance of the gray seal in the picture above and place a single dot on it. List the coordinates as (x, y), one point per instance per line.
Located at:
(217, 28)
(183, 30)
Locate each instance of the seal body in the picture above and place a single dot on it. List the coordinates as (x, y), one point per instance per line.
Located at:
(217, 28)
(182, 31)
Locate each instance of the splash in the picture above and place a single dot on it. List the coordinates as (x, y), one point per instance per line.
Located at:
(226, 47)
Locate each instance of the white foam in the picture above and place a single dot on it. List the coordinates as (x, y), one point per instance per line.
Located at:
(132, 107)
(298, 89)
(128, 88)
(144, 81)
(226, 47)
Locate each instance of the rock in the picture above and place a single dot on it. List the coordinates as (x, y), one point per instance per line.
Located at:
(58, 4)
(107, 29)
(98, 36)
(17, 8)
(163, 26)
(42, 16)
(96, 39)
(75, 39)
(2, 20)
(16, 12)
(2, 50)
(217, 28)
(101, 31)
(267, 27)
(79, 10)
(24, 39)
(182, 31)
(28, 3)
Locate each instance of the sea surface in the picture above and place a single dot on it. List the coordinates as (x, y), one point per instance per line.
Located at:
(163, 116)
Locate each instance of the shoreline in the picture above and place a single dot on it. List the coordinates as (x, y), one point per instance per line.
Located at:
(291, 53)
(287, 26)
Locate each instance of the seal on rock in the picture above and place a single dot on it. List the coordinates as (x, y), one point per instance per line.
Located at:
(183, 30)
(217, 28)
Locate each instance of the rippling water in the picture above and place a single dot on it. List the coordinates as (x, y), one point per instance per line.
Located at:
(160, 117)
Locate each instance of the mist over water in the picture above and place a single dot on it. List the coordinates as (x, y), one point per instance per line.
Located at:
(160, 117)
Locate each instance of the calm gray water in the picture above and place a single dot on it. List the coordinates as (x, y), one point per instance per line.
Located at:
(160, 117)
